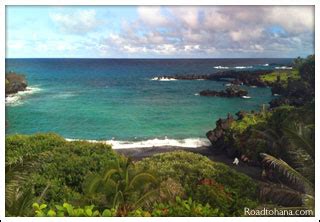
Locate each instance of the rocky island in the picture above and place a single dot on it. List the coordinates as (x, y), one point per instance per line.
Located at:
(15, 83)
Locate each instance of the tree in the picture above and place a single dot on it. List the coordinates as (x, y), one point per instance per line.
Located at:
(124, 188)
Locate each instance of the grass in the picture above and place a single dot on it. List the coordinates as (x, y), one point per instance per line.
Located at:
(284, 76)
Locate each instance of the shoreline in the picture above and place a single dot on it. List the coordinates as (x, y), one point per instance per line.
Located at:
(188, 143)
(137, 154)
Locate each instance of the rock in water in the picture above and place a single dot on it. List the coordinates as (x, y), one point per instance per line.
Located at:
(15, 83)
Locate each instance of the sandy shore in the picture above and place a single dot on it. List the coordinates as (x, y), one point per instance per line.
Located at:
(140, 153)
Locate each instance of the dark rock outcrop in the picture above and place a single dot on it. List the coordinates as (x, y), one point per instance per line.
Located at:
(249, 78)
(15, 83)
(240, 114)
(296, 93)
(217, 135)
(231, 91)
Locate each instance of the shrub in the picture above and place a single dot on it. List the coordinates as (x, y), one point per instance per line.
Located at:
(185, 208)
(68, 210)
(61, 164)
(190, 169)
(19, 146)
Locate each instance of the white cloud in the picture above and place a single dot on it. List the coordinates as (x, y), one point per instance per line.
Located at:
(152, 15)
(78, 22)
(217, 31)
(294, 19)
(16, 44)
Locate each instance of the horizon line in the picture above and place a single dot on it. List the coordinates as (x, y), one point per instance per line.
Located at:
(154, 58)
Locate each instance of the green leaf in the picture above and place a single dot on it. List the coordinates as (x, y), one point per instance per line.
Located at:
(96, 213)
(36, 206)
(40, 213)
(88, 212)
(43, 206)
(79, 212)
(69, 209)
(60, 214)
(59, 208)
(51, 213)
(106, 213)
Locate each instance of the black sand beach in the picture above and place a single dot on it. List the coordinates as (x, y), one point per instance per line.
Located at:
(140, 153)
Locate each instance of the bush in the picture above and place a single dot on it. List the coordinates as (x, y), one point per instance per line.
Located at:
(59, 163)
(175, 208)
(192, 170)
(68, 210)
(19, 146)
(185, 208)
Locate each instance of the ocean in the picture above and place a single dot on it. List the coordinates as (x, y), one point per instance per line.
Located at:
(118, 100)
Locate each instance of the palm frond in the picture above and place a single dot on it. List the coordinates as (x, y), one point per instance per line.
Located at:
(300, 141)
(147, 197)
(91, 183)
(146, 177)
(280, 194)
(291, 174)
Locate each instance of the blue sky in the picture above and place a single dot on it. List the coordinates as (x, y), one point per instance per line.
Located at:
(159, 31)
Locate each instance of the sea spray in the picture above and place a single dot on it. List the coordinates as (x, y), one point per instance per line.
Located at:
(186, 143)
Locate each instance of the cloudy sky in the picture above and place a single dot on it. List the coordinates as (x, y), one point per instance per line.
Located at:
(159, 32)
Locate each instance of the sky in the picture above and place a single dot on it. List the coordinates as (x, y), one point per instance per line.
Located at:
(159, 31)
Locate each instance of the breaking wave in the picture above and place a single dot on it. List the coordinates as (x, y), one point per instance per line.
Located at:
(163, 79)
(221, 67)
(17, 98)
(186, 143)
(283, 67)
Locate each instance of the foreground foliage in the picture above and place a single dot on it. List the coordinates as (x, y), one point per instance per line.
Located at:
(205, 181)
(86, 174)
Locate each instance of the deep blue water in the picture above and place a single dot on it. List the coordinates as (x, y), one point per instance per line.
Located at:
(106, 98)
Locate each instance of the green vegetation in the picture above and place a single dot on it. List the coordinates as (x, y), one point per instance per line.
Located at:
(282, 76)
(280, 139)
(58, 166)
(178, 207)
(205, 181)
(46, 170)
(121, 187)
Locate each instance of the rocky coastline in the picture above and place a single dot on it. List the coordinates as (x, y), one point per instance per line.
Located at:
(15, 83)
(248, 78)
(232, 91)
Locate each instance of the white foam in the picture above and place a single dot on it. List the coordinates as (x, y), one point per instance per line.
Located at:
(243, 67)
(283, 67)
(186, 143)
(246, 97)
(221, 67)
(16, 99)
(265, 64)
(196, 94)
(64, 95)
(163, 79)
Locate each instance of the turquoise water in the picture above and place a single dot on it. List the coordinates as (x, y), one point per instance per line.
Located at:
(102, 99)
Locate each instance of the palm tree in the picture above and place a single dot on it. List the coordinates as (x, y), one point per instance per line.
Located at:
(273, 140)
(125, 188)
(18, 197)
(299, 189)
(301, 136)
